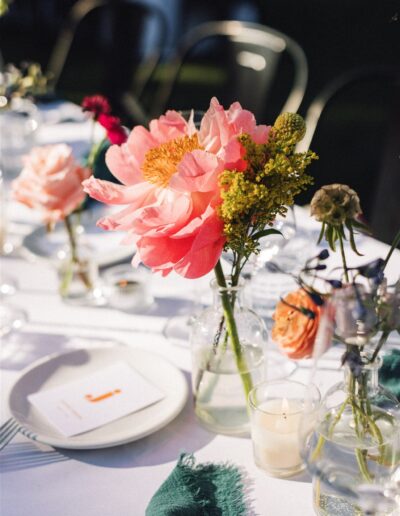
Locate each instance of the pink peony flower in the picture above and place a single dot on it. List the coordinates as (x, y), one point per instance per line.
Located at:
(51, 182)
(169, 177)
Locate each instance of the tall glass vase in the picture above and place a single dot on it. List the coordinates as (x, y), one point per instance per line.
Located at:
(353, 448)
(226, 362)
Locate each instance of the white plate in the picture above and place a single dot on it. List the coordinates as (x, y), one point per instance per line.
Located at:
(106, 245)
(59, 369)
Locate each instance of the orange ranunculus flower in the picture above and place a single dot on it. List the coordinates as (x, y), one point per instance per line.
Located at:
(293, 331)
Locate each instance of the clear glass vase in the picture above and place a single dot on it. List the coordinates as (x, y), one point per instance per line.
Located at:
(78, 276)
(228, 351)
(352, 448)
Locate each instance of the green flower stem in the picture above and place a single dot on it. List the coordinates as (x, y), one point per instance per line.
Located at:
(71, 238)
(232, 331)
(91, 160)
(74, 261)
(364, 423)
(321, 438)
(382, 340)
(395, 244)
(346, 273)
(362, 465)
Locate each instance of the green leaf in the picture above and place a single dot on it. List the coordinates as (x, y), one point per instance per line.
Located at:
(358, 225)
(330, 237)
(266, 232)
(321, 233)
(352, 240)
(340, 231)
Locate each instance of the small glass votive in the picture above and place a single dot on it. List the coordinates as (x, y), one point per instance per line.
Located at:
(127, 288)
(276, 410)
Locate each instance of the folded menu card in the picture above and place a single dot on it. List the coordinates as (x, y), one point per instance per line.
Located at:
(96, 399)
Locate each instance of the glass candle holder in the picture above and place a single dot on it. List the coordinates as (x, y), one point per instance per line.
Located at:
(127, 288)
(276, 412)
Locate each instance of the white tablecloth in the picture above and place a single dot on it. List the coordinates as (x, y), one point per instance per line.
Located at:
(38, 480)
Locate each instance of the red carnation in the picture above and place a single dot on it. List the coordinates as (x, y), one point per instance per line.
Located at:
(96, 104)
(115, 132)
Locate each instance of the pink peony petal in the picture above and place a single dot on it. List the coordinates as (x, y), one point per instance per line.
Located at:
(163, 219)
(111, 193)
(123, 165)
(205, 251)
(160, 252)
(197, 172)
(169, 126)
(139, 142)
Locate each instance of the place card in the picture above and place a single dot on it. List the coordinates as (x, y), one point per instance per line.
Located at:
(95, 400)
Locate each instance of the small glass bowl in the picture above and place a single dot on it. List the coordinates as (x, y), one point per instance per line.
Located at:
(126, 288)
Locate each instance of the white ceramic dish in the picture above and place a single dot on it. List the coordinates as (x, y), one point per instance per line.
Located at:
(62, 368)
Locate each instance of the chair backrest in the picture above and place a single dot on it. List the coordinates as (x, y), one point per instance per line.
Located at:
(246, 59)
(104, 48)
(353, 125)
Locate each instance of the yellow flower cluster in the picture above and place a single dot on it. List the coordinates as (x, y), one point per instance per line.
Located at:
(275, 174)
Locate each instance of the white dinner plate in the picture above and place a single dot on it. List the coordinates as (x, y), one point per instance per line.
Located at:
(105, 245)
(62, 368)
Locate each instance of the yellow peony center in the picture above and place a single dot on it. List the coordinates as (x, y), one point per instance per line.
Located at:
(160, 163)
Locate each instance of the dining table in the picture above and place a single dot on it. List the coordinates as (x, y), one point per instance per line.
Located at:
(39, 479)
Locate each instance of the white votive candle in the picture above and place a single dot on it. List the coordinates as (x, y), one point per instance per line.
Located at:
(275, 428)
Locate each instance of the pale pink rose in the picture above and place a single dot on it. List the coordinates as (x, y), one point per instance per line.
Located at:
(169, 177)
(51, 182)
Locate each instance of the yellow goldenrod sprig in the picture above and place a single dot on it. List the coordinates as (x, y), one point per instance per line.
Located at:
(275, 174)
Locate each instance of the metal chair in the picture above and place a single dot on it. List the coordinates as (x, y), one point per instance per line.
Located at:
(104, 48)
(247, 59)
(353, 125)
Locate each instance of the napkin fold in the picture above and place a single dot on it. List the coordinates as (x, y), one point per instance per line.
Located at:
(389, 373)
(201, 490)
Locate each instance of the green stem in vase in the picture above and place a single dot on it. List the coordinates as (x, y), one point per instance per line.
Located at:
(71, 238)
(395, 243)
(381, 342)
(362, 464)
(232, 331)
(74, 261)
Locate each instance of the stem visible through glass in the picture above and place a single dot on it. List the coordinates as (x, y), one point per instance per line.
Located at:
(232, 329)
(74, 261)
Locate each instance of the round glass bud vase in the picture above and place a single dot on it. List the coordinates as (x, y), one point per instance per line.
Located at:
(78, 276)
(223, 371)
(353, 449)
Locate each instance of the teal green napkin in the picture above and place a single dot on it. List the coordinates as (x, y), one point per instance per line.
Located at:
(200, 490)
(389, 373)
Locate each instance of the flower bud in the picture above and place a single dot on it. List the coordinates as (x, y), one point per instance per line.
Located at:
(290, 128)
(334, 204)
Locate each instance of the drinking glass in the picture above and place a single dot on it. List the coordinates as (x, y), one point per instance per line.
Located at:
(19, 121)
